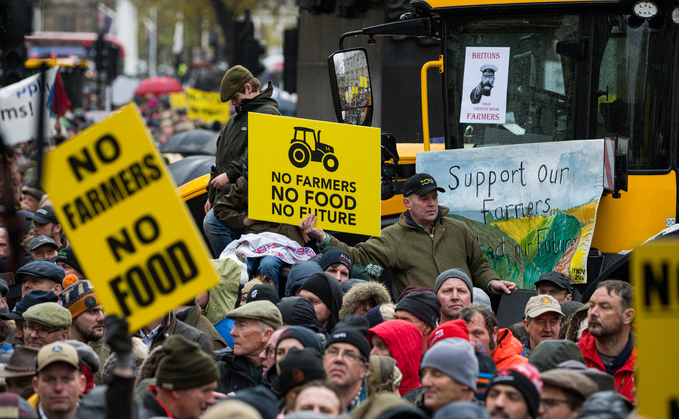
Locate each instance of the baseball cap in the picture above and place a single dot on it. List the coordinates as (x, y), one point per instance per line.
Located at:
(57, 352)
(541, 304)
(263, 310)
(41, 241)
(420, 184)
(44, 215)
(557, 278)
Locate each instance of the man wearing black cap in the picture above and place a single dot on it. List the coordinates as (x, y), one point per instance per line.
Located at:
(346, 362)
(421, 309)
(42, 247)
(241, 88)
(40, 274)
(337, 263)
(421, 245)
(67, 260)
(555, 284)
(45, 223)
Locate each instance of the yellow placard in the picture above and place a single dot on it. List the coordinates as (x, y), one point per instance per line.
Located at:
(207, 106)
(300, 166)
(178, 100)
(134, 238)
(655, 277)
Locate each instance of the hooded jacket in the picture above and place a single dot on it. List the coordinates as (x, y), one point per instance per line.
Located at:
(624, 376)
(232, 208)
(299, 311)
(334, 298)
(373, 291)
(192, 317)
(417, 258)
(233, 140)
(299, 272)
(234, 372)
(171, 326)
(508, 350)
(404, 341)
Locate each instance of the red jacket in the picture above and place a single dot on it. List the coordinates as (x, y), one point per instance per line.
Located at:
(624, 377)
(404, 341)
(508, 350)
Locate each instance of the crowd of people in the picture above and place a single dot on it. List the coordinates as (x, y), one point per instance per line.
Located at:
(292, 333)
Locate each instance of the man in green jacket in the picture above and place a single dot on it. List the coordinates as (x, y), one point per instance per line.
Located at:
(242, 89)
(421, 245)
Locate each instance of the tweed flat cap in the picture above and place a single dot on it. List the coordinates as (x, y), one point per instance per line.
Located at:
(49, 314)
(264, 311)
(569, 380)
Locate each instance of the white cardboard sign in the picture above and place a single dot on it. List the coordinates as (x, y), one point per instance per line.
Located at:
(484, 91)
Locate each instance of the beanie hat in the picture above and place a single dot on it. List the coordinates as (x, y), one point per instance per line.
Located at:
(78, 297)
(232, 81)
(306, 337)
(481, 298)
(299, 366)
(328, 290)
(413, 288)
(454, 273)
(185, 365)
(464, 369)
(351, 332)
(526, 379)
(261, 398)
(346, 285)
(487, 369)
(67, 256)
(451, 329)
(263, 292)
(425, 305)
(379, 314)
(69, 279)
(333, 255)
(299, 273)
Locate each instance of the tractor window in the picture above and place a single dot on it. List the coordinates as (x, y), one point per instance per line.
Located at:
(632, 86)
(540, 87)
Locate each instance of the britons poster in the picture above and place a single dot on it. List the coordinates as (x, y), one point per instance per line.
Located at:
(532, 206)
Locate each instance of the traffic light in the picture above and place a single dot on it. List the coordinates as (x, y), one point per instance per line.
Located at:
(254, 55)
(290, 54)
(106, 57)
(16, 17)
(99, 58)
(112, 68)
(247, 51)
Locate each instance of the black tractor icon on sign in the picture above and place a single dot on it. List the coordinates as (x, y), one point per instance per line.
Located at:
(300, 151)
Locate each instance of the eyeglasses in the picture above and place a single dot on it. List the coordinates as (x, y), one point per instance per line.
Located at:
(348, 355)
(267, 350)
(42, 333)
(551, 403)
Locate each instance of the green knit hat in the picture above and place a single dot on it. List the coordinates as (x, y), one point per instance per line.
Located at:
(232, 81)
(185, 365)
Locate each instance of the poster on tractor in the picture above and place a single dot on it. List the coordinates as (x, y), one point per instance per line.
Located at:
(532, 206)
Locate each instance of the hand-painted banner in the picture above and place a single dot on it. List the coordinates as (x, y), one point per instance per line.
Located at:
(532, 206)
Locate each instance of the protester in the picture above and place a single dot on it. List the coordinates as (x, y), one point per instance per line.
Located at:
(542, 321)
(337, 263)
(40, 274)
(89, 362)
(296, 337)
(32, 197)
(363, 297)
(268, 355)
(318, 396)
(563, 393)
(325, 294)
(155, 332)
(380, 313)
(262, 292)
(17, 314)
(551, 353)
(514, 393)
(604, 381)
(454, 290)
(299, 273)
(241, 367)
(556, 285)
(402, 341)
(58, 383)
(299, 367)
(384, 376)
(607, 343)
(185, 382)
(346, 362)
(421, 309)
(46, 323)
(42, 247)
(241, 88)
(406, 248)
(67, 260)
(46, 224)
(20, 370)
(17, 407)
(452, 329)
(190, 314)
(606, 404)
(443, 381)
(299, 311)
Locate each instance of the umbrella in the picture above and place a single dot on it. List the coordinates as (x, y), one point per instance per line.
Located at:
(197, 141)
(190, 168)
(158, 86)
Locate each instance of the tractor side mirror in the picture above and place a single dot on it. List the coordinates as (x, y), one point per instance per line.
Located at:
(351, 87)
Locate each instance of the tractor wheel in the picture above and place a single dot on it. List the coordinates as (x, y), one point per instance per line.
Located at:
(330, 162)
(299, 155)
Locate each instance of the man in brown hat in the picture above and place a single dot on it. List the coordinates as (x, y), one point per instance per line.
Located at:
(241, 88)
(563, 393)
(20, 370)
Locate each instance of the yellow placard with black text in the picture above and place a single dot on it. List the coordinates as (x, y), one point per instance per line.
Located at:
(206, 106)
(300, 167)
(133, 237)
(178, 100)
(655, 277)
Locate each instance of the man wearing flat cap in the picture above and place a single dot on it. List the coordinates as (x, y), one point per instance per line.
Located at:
(40, 274)
(241, 88)
(240, 366)
(563, 393)
(46, 323)
(486, 84)
(421, 245)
